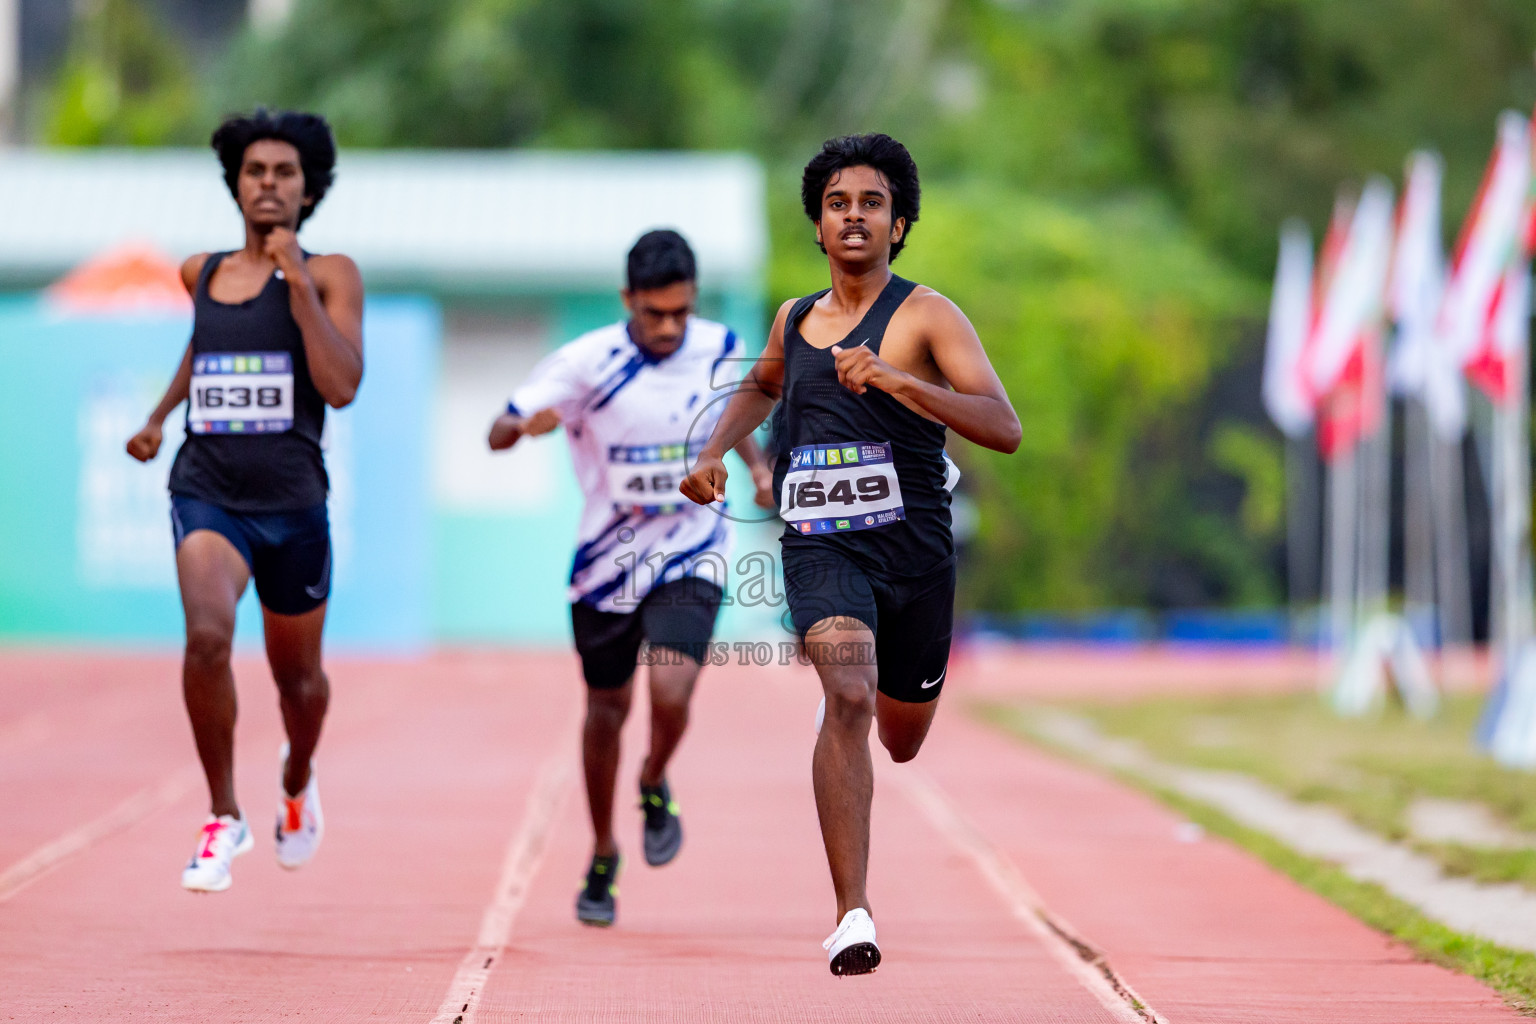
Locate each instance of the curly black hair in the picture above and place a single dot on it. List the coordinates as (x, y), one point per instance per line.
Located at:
(660, 258)
(307, 133)
(880, 152)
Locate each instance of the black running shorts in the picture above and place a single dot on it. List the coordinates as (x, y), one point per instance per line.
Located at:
(679, 616)
(912, 617)
(288, 553)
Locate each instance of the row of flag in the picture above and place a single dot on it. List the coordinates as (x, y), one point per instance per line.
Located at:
(1325, 368)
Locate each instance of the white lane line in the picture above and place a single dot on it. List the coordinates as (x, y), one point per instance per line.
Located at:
(1081, 960)
(132, 810)
(524, 854)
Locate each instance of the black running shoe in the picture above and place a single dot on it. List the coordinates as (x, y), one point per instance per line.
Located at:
(595, 903)
(663, 828)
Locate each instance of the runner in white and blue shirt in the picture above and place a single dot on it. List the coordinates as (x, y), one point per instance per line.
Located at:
(633, 422)
(638, 399)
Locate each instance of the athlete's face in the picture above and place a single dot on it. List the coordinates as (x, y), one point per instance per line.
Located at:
(271, 184)
(658, 317)
(857, 222)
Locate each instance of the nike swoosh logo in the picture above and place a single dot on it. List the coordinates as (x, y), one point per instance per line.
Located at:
(936, 682)
(322, 587)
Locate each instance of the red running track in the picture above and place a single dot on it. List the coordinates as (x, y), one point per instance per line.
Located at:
(456, 839)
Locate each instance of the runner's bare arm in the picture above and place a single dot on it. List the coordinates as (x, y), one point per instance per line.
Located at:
(191, 270)
(556, 383)
(145, 445)
(744, 413)
(977, 408)
(509, 428)
(762, 477)
(325, 295)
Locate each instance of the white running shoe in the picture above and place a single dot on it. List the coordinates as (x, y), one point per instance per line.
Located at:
(851, 949)
(821, 714)
(300, 822)
(222, 840)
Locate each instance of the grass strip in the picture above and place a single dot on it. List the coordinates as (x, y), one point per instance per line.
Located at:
(1372, 769)
(1511, 973)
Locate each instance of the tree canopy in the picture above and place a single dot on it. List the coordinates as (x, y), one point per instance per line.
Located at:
(1102, 185)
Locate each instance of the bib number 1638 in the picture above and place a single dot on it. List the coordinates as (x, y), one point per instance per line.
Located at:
(217, 396)
(241, 393)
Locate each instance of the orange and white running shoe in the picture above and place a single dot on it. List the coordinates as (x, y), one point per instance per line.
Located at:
(300, 823)
(222, 839)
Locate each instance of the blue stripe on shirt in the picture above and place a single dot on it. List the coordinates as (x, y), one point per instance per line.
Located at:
(628, 372)
(588, 553)
(684, 557)
(725, 352)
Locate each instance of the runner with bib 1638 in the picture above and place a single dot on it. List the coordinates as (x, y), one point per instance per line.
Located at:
(277, 335)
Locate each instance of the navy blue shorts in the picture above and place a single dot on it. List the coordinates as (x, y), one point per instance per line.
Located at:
(912, 617)
(288, 553)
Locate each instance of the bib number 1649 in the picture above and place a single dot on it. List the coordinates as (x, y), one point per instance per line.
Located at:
(814, 493)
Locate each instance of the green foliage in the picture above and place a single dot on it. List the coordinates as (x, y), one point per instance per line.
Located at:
(599, 73)
(124, 82)
(1249, 111)
(395, 72)
(1250, 456)
(1103, 181)
(1106, 321)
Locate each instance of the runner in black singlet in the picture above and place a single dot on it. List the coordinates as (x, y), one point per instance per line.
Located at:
(276, 337)
(871, 372)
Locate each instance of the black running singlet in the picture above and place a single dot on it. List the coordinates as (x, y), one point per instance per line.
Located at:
(863, 472)
(254, 417)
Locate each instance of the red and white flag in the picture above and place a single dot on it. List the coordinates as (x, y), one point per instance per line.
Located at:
(1498, 365)
(1489, 282)
(1421, 364)
(1342, 363)
(1286, 395)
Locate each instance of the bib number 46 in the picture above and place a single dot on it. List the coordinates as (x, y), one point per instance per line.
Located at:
(656, 483)
(813, 493)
